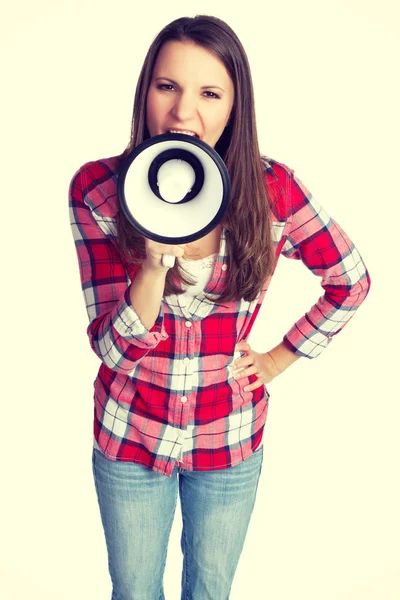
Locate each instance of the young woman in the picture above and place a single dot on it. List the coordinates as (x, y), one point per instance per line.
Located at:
(180, 397)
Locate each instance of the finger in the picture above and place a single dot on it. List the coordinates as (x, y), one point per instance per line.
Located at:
(163, 248)
(176, 250)
(242, 363)
(171, 250)
(245, 372)
(253, 386)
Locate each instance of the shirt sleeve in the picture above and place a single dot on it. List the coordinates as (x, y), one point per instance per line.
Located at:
(320, 243)
(116, 334)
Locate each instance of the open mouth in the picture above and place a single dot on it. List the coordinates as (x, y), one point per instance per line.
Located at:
(183, 132)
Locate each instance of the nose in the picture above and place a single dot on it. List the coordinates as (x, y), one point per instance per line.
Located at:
(184, 107)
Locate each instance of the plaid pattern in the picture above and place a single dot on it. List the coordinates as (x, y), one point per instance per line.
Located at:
(168, 394)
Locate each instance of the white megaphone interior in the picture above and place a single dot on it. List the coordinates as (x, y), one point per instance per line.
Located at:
(167, 219)
(175, 179)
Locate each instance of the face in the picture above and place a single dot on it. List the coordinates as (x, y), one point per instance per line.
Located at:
(190, 92)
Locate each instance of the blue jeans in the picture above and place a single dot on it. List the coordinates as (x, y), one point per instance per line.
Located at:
(137, 507)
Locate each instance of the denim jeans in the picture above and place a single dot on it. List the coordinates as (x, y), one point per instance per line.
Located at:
(137, 507)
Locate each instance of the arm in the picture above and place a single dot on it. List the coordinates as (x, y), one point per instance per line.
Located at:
(145, 293)
(280, 358)
(320, 243)
(313, 237)
(116, 333)
(147, 289)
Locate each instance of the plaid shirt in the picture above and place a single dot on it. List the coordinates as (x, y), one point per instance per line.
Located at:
(167, 394)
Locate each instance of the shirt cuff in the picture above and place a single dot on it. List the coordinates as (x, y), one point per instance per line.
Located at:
(304, 340)
(128, 324)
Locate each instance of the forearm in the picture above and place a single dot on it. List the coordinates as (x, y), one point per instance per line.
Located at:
(146, 292)
(282, 357)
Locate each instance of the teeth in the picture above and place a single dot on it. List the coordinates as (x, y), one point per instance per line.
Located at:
(184, 132)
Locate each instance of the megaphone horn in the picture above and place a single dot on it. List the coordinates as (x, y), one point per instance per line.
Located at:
(173, 189)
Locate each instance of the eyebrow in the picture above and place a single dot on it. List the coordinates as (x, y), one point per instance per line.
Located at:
(203, 87)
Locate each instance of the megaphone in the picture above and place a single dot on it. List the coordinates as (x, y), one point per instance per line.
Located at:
(173, 189)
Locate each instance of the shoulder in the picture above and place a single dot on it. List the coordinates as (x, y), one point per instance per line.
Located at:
(96, 173)
(275, 169)
(95, 184)
(278, 183)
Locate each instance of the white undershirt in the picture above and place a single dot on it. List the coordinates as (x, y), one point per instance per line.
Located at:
(201, 270)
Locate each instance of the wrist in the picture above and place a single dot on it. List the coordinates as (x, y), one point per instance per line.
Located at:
(148, 269)
(273, 368)
(281, 357)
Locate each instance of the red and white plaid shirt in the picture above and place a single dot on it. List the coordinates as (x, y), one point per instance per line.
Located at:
(167, 394)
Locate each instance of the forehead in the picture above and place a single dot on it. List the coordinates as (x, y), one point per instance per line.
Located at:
(181, 59)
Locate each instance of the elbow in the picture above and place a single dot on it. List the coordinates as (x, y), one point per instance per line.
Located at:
(365, 285)
(107, 351)
(368, 283)
(111, 357)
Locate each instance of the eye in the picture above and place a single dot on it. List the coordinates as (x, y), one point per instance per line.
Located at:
(209, 94)
(165, 86)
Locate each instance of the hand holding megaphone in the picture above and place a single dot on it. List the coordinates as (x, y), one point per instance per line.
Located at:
(158, 254)
(173, 189)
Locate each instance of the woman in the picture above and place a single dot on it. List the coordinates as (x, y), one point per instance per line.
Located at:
(180, 397)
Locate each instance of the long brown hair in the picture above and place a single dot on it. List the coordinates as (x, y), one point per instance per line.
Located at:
(247, 221)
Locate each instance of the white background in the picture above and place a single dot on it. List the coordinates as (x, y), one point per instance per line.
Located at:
(326, 77)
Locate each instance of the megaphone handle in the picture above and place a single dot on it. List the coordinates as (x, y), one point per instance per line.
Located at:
(168, 260)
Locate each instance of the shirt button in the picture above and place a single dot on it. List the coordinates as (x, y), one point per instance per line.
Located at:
(224, 267)
(186, 361)
(188, 324)
(183, 399)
